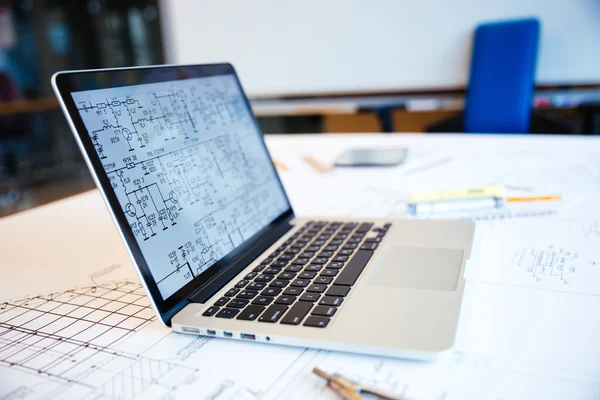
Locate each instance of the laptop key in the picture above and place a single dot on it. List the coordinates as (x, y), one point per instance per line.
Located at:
(296, 313)
(270, 291)
(335, 265)
(287, 300)
(324, 311)
(264, 278)
(300, 282)
(293, 291)
(340, 258)
(247, 294)
(232, 292)
(346, 252)
(317, 288)
(354, 268)
(293, 268)
(312, 297)
(364, 227)
(262, 300)
(307, 275)
(286, 275)
(241, 284)
(279, 263)
(323, 280)
(279, 283)
(256, 286)
(301, 261)
(325, 254)
(250, 313)
(227, 313)
(330, 301)
(273, 270)
(250, 276)
(329, 272)
(238, 303)
(369, 246)
(210, 311)
(273, 313)
(259, 268)
(338, 291)
(313, 268)
(266, 261)
(317, 322)
(222, 301)
(320, 260)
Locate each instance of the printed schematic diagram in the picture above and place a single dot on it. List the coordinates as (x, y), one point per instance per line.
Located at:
(546, 263)
(188, 167)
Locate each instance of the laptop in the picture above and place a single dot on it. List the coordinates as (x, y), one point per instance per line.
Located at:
(185, 173)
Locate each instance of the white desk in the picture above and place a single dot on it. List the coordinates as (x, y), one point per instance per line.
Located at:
(513, 342)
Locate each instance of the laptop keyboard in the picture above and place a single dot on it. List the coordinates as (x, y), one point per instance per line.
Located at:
(306, 278)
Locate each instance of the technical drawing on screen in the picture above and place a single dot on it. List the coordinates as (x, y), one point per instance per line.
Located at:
(189, 168)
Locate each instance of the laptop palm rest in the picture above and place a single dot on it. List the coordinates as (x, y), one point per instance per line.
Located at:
(418, 268)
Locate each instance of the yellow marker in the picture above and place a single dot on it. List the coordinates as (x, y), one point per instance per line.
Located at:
(458, 194)
(533, 198)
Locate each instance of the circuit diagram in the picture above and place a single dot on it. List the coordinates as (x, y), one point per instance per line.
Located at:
(188, 167)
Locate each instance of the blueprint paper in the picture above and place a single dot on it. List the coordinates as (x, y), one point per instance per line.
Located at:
(512, 342)
(555, 254)
(104, 342)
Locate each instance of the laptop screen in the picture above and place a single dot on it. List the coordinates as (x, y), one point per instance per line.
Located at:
(188, 167)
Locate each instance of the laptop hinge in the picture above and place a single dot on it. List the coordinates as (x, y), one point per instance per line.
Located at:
(214, 285)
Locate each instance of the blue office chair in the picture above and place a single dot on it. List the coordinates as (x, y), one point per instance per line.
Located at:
(502, 79)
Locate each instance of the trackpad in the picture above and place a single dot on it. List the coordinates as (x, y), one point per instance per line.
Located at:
(418, 268)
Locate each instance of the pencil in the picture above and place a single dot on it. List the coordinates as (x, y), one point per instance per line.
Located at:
(317, 166)
(280, 165)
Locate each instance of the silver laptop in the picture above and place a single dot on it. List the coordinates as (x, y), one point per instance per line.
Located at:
(182, 165)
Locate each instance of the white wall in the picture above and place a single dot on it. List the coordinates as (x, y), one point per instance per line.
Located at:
(284, 47)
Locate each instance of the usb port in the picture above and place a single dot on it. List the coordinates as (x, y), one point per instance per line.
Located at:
(227, 334)
(211, 332)
(247, 336)
(187, 329)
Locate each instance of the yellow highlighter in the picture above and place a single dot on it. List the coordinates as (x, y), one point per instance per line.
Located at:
(440, 201)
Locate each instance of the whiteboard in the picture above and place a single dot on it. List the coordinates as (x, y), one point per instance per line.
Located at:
(287, 47)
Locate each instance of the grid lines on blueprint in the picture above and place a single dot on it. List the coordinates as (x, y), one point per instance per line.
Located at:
(67, 338)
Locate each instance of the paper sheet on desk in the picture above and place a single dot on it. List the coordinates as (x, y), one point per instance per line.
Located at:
(552, 254)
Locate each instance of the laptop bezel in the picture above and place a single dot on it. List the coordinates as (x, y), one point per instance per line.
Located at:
(68, 82)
